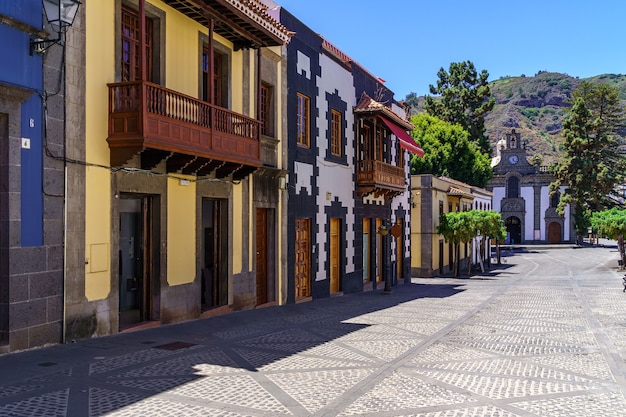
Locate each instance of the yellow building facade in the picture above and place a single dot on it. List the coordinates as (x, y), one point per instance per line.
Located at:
(431, 255)
(175, 203)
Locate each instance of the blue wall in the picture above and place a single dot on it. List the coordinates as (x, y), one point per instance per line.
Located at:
(23, 70)
(19, 67)
(32, 173)
(27, 11)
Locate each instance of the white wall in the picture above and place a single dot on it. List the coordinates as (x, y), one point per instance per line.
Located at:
(404, 198)
(567, 230)
(544, 204)
(335, 181)
(498, 195)
(528, 194)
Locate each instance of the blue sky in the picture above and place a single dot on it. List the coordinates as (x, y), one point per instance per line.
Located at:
(406, 42)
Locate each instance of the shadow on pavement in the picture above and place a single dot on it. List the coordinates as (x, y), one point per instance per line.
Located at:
(121, 370)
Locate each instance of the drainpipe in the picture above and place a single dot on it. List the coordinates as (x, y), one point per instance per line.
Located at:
(65, 184)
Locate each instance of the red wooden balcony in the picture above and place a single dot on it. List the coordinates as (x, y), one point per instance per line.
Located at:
(191, 135)
(380, 178)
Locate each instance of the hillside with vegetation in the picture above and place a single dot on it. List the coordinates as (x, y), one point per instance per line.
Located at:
(535, 106)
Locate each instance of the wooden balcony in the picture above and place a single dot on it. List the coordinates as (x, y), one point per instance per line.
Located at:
(192, 136)
(380, 178)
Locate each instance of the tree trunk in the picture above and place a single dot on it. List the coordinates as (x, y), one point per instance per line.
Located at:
(498, 251)
(480, 249)
(457, 259)
(469, 258)
(620, 247)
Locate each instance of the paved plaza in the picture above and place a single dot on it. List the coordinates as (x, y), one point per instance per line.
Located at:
(544, 334)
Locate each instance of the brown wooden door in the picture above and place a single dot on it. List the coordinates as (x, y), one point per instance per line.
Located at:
(554, 233)
(130, 43)
(302, 271)
(261, 256)
(218, 83)
(335, 227)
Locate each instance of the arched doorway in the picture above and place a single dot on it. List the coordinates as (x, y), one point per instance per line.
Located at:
(554, 232)
(514, 230)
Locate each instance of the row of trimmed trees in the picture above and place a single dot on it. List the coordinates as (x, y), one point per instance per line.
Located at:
(463, 226)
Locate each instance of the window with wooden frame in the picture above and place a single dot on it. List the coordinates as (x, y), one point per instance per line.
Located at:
(218, 80)
(266, 110)
(304, 107)
(368, 143)
(400, 158)
(380, 141)
(335, 133)
(131, 67)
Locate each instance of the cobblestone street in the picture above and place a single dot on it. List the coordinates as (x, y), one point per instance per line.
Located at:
(543, 335)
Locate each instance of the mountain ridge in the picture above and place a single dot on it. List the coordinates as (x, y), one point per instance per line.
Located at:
(536, 106)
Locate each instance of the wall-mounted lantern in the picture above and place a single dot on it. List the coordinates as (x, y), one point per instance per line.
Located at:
(61, 15)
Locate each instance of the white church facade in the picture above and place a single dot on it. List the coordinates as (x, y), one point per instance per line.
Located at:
(521, 195)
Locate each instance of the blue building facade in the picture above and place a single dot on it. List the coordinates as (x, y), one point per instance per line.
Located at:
(31, 182)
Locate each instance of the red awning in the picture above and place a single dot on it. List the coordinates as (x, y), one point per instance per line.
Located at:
(406, 141)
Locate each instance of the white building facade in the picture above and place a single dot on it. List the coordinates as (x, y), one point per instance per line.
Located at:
(521, 195)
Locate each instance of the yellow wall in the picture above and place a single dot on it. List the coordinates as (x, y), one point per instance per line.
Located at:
(181, 231)
(438, 195)
(100, 69)
(237, 82)
(237, 229)
(182, 52)
(416, 227)
(438, 192)
(97, 234)
(182, 66)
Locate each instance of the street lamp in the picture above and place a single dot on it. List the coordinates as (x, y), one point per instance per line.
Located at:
(61, 15)
(383, 231)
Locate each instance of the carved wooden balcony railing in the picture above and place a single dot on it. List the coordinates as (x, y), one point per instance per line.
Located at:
(191, 135)
(380, 178)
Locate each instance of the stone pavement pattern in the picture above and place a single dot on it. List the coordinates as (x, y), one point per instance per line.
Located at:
(543, 336)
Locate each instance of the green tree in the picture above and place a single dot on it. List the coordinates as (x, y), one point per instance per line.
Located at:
(611, 224)
(604, 103)
(412, 102)
(463, 226)
(456, 228)
(448, 152)
(494, 228)
(591, 165)
(537, 160)
(464, 98)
